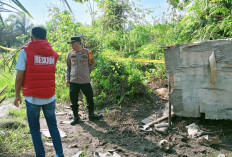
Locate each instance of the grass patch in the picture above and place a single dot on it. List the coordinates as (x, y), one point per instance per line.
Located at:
(19, 114)
(15, 138)
(15, 141)
(7, 78)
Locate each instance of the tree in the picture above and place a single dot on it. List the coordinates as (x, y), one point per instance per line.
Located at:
(204, 20)
(19, 26)
(20, 22)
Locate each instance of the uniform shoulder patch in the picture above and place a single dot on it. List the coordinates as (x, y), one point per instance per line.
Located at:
(91, 58)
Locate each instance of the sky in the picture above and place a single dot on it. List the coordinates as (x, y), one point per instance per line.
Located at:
(39, 9)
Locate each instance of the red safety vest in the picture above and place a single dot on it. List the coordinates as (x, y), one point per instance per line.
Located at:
(39, 77)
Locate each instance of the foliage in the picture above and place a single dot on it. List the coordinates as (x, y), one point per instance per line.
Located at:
(179, 4)
(6, 80)
(20, 26)
(117, 82)
(114, 13)
(114, 82)
(206, 20)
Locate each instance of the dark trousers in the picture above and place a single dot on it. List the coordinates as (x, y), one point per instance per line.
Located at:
(74, 90)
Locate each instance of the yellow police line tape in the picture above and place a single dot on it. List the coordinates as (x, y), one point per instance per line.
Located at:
(9, 49)
(137, 60)
(113, 58)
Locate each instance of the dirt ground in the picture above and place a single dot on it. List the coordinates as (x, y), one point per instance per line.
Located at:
(117, 134)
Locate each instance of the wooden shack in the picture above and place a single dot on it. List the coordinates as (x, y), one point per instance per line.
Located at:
(200, 79)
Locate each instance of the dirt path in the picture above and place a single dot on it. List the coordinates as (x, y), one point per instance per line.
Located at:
(4, 107)
(117, 133)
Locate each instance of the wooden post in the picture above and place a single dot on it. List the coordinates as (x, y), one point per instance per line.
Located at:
(170, 87)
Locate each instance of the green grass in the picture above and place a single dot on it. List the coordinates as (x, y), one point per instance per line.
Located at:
(15, 138)
(16, 141)
(19, 114)
(7, 78)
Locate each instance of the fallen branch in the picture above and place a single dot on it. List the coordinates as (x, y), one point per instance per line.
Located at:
(3, 90)
(156, 121)
(2, 100)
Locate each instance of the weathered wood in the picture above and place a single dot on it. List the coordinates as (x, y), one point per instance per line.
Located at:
(4, 89)
(196, 89)
(2, 100)
(156, 121)
(170, 87)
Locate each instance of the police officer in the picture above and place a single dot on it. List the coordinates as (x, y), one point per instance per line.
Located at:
(80, 63)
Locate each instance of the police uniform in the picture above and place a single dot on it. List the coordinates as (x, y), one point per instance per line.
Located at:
(79, 66)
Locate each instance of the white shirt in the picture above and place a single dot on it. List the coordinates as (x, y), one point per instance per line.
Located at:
(21, 65)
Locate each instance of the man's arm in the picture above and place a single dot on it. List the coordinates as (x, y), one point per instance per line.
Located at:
(68, 69)
(91, 61)
(18, 86)
(91, 68)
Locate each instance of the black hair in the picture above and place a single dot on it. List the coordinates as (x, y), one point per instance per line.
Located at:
(39, 33)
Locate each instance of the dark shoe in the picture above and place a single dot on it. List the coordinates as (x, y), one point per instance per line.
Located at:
(95, 116)
(74, 121)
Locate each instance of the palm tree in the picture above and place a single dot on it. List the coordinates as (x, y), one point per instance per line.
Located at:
(20, 22)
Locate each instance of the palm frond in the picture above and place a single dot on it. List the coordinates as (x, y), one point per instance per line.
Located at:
(2, 3)
(65, 1)
(22, 7)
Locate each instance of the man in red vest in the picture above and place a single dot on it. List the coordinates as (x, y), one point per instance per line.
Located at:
(36, 68)
(80, 63)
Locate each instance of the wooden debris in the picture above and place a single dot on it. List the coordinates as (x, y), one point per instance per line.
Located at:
(4, 89)
(75, 145)
(60, 113)
(156, 121)
(161, 125)
(162, 128)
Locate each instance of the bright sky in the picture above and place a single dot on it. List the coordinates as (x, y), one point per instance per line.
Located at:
(38, 9)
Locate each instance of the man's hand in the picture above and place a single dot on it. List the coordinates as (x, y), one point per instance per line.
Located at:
(17, 101)
(67, 83)
(18, 86)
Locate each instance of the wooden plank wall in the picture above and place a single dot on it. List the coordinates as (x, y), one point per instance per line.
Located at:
(193, 95)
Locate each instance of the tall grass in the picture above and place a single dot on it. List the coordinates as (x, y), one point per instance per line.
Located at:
(7, 78)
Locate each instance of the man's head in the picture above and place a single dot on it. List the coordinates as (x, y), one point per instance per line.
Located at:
(74, 39)
(75, 42)
(38, 33)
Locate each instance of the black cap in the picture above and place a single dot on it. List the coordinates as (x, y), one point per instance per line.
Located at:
(76, 38)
